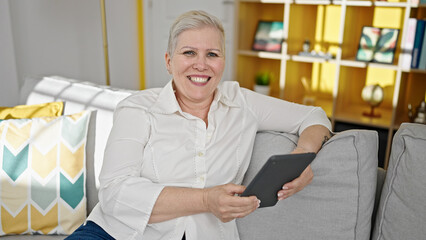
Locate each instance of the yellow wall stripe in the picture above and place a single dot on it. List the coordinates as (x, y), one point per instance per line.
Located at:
(139, 8)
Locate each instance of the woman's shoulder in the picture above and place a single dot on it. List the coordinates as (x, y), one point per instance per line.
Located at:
(230, 89)
(234, 92)
(143, 99)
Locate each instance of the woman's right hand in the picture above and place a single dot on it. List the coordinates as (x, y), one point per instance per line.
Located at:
(225, 205)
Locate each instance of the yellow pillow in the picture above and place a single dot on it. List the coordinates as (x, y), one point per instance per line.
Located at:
(52, 109)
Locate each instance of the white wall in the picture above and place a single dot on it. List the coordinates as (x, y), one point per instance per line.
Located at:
(62, 37)
(8, 78)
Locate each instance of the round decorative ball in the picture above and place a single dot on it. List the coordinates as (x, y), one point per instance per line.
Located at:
(373, 94)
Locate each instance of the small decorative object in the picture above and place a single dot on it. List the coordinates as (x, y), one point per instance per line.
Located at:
(269, 36)
(373, 95)
(421, 113)
(410, 113)
(317, 54)
(306, 46)
(263, 80)
(377, 45)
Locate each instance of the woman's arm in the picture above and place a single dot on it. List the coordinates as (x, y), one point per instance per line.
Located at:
(310, 140)
(176, 202)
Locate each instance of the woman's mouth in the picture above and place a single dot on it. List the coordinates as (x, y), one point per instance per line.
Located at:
(199, 79)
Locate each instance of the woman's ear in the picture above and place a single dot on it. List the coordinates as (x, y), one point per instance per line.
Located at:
(168, 59)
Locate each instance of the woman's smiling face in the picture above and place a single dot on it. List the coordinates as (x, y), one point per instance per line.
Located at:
(197, 64)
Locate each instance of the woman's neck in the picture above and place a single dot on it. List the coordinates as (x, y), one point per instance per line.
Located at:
(200, 110)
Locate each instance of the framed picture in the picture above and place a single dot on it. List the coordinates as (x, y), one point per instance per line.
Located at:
(385, 48)
(269, 36)
(367, 43)
(377, 45)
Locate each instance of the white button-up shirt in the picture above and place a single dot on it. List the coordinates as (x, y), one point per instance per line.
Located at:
(154, 144)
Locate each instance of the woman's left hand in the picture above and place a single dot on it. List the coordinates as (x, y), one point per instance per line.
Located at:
(297, 184)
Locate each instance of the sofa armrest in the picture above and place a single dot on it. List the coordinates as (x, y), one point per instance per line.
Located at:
(338, 204)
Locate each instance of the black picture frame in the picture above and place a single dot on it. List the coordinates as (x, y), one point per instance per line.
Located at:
(269, 36)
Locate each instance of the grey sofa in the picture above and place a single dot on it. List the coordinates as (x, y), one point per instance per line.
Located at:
(340, 203)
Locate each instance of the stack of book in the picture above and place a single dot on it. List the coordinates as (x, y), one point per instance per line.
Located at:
(414, 49)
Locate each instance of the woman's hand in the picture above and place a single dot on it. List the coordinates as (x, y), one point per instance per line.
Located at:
(297, 184)
(222, 202)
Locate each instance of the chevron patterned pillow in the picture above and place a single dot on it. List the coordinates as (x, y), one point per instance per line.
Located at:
(43, 174)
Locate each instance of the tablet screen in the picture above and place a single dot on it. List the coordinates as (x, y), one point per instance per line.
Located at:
(278, 170)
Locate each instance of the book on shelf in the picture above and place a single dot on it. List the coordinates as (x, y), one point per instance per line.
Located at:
(422, 61)
(269, 36)
(418, 42)
(407, 49)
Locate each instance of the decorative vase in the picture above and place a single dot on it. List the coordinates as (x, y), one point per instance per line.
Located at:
(262, 89)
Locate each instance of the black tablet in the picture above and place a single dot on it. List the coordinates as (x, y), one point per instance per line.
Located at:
(278, 170)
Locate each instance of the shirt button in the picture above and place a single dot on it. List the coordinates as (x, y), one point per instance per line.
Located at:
(200, 154)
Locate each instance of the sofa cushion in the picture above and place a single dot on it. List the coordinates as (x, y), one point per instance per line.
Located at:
(402, 209)
(50, 109)
(43, 174)
(337, 204)
(80, 96)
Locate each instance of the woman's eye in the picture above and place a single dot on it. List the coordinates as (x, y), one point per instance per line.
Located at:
(212, 54)
(189, 53)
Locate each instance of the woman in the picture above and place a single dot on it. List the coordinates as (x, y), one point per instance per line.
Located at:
(176, 156)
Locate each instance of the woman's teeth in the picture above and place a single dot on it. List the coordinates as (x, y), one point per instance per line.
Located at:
(199, 79)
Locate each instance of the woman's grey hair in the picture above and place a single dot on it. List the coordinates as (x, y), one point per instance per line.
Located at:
(193, 20)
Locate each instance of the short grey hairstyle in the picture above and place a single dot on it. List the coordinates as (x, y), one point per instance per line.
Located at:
(193, 20)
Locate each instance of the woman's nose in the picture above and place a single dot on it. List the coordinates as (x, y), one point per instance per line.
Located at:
(200, 63)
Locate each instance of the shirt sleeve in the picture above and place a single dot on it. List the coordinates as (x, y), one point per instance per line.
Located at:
(280, 115)
(124, 194)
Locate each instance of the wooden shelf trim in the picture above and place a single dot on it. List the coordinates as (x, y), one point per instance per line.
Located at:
(266, 1)
(341, 2)
(313, 2)
(414, 70)
(267, 55)
(359, 64)
(298, 58)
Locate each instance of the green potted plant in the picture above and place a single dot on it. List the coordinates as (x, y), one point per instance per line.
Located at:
(262, 82)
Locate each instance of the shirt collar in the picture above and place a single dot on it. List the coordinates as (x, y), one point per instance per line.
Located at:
(167, 104)
(224, 96)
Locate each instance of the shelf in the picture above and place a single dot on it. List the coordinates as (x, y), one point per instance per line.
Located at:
(264, 1)
(267, 55)
(359, 64)
(355, 3)
(414, 70)
(391, 4)
(354, 115)
(335, 84)
(373, 3)
(312, 2)
(298, 58)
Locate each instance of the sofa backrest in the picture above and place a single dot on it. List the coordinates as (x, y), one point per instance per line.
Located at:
(338, 204)
(402, 209)
(79, 96)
